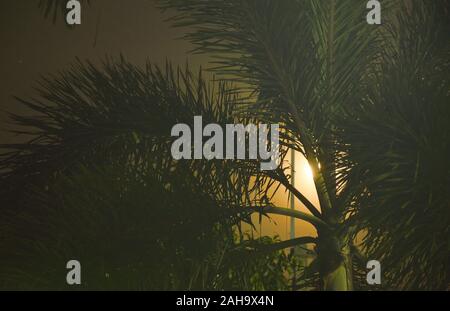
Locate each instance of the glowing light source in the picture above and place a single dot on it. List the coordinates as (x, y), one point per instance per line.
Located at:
(308, 171)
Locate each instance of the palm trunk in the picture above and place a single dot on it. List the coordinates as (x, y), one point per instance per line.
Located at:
(340, 279)
(335, 265)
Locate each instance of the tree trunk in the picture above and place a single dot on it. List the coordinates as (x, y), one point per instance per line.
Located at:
(341, 279)
(335, 265)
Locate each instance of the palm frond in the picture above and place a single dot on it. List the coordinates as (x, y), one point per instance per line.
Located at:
(304, 60)
(98, 168)
(399, 145)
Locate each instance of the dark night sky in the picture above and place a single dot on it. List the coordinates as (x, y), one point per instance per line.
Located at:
(31, 45)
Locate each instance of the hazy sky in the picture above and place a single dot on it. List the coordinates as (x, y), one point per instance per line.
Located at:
(31, 45)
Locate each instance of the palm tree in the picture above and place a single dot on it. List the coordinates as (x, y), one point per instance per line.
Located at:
(398, 143)
(365, 105)
(97, 182)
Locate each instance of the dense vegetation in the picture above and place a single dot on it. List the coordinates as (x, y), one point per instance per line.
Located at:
(368, 106)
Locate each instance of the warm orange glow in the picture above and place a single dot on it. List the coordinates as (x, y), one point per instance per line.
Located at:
(280, 225)
(308, 172)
